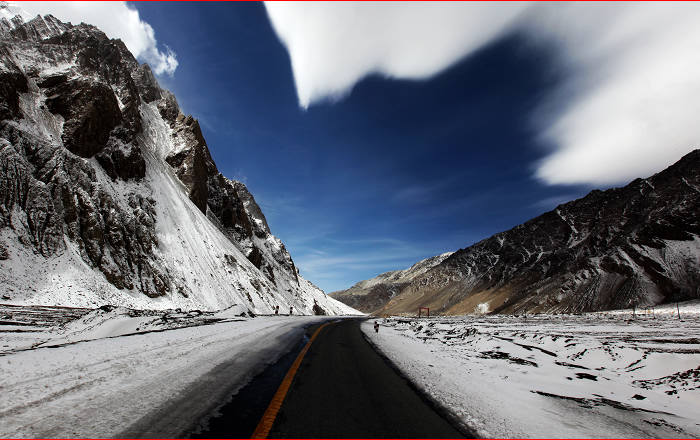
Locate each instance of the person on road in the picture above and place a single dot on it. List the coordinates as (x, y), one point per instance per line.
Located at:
(376, 327)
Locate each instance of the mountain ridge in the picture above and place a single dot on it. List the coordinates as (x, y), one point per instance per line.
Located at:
(110, 194)
(369, 295)
(635, 245)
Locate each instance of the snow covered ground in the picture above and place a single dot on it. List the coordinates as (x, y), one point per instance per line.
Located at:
(68, 372)
(591, 375)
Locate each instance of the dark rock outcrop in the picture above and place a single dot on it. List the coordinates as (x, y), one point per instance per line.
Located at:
(12, 84)
(192, 164)
(318, 310)
(147, 84)
(90, 112)
(122, 161)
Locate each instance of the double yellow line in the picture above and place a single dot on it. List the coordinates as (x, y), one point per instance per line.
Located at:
(268, 418)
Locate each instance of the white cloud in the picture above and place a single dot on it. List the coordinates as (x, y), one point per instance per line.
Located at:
(333, 45)
(117, 20)
(634, 90)
(627, 108)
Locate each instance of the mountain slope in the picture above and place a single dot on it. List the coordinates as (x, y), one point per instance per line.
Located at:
(635, 245)
(372, 294)
(110, 195)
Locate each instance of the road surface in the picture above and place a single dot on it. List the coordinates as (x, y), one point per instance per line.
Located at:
(340, 388)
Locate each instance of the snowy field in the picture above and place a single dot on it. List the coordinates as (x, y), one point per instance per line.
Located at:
(68, 372)
(593, 375)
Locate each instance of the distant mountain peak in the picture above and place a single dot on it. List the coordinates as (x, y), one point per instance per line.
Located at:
(637, 245)
(370, 295)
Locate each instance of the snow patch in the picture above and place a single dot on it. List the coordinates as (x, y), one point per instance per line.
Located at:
(482, 308)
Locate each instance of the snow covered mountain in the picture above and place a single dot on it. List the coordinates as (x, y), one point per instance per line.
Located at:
(372, 294)
(108, 193)
(632, 246)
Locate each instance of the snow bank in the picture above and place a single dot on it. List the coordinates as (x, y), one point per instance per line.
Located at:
(557, 375)
(64, 387)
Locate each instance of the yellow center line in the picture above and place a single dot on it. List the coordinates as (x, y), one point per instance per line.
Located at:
(268, 418)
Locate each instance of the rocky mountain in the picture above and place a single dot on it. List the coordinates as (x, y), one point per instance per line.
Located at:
(108, 192)
(632, 246)
(371, 295)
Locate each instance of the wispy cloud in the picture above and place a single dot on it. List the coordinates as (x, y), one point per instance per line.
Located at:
(368, 242)
(282, 204)
(549, 203)
(338, 270)
(294, 222)
(336, 264)
(240, 175)
(423, 192)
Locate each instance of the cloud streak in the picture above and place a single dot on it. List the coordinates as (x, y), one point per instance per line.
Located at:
(117, 20)
(628, 104)
(362, 258)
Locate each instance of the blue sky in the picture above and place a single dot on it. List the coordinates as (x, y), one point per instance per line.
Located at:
(395, 171)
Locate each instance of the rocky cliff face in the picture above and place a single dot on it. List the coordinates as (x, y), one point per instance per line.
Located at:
(109, 193)
(227, 203)
(636, 245)
(371, 295)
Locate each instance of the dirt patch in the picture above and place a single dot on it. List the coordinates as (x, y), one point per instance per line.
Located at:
(493, 354)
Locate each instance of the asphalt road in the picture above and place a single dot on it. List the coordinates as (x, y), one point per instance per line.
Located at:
(344, 388)
(340, 388)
